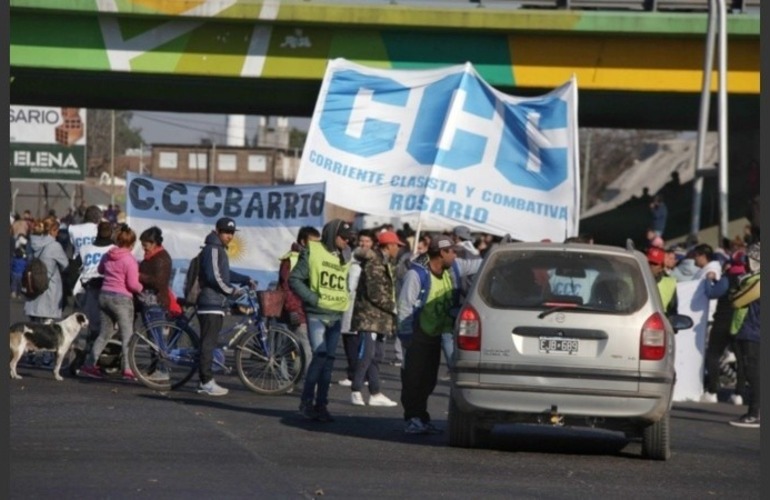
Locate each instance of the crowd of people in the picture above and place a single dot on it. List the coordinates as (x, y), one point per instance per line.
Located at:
(367, 287)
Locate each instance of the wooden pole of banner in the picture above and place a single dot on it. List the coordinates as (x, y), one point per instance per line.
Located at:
(417, 235)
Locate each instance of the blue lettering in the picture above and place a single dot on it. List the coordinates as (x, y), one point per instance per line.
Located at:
(375, 135)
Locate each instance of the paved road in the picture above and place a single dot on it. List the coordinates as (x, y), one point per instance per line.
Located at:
(113, 439)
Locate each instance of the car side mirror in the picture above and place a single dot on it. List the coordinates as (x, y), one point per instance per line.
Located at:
(680, 322)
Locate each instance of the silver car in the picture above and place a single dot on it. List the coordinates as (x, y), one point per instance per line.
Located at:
(564, 334)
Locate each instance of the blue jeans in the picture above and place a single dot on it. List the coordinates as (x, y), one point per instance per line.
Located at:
(116, 309)
(324, 334)
(448, 346)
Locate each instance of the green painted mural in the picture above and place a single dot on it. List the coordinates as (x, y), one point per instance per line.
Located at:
(231, 51)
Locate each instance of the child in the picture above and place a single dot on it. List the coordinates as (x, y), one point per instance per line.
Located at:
(18, 265)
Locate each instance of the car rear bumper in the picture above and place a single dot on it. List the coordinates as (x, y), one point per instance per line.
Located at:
(649, 405)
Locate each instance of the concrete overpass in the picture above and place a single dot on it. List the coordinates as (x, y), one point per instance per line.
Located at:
(635, 68)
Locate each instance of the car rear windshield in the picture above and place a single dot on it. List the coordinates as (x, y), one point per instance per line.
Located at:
(542, 279)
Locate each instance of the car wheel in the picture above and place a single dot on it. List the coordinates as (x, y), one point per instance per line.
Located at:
(464, 431)
(656, 440)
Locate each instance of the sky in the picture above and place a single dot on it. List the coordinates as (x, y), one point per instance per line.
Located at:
(190, 128)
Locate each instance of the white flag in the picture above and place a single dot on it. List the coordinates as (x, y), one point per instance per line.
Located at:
(444, 144)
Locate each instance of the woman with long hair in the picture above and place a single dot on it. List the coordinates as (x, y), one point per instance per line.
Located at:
(121, 282)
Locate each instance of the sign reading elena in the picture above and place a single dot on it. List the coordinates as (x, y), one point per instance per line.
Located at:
(444, 144)
(47, 144)
(267, 217)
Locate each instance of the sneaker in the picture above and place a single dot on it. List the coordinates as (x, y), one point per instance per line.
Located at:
(747, 422)
(322, 414)
(381, 399)
(357, 398)
(211, 388)
(736, 399)
(90, 372)
(431, 429)
(446, 377)
(414, 426)
(345, 382)
(128, 375)
(306, 410)
(158, 376)
(708, 397)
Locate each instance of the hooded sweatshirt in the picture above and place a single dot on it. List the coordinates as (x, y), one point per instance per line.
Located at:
(121, 272)
(49, 303)
(216, 277)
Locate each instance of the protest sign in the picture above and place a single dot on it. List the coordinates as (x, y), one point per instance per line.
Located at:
(268, 219)
(444, 144)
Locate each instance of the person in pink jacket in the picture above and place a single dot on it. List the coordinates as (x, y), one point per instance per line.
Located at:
(121, 281)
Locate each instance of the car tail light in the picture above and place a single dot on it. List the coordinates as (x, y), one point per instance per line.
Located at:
(652, 346)
(469, 330)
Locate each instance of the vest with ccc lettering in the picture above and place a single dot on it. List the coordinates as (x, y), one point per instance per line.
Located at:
(328, 277)
(81, 235)
(90, 256)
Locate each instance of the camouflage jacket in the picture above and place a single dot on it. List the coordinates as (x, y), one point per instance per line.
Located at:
(375, 306)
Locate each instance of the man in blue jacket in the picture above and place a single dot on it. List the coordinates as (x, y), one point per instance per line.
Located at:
(216, 280)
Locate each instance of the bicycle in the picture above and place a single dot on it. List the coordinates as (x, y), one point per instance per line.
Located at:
(164, 355)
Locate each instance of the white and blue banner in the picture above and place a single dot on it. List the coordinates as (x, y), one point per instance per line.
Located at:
(268, 220)
(445, 145)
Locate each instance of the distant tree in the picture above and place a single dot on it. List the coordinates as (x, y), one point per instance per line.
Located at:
(297, 138)
(99, 137)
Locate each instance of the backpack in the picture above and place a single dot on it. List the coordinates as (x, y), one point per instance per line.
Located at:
(34, 281)
(192, 287)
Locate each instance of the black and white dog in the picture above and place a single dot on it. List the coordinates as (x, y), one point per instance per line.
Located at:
(56, 337)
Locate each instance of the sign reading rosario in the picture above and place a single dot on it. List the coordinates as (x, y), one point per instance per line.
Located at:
(446, 145)
(267, 217)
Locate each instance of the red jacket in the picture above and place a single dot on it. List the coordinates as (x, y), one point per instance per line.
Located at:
(292, 303)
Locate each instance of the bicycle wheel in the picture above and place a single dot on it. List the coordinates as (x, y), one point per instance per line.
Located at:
(163, 355)
(271, 364)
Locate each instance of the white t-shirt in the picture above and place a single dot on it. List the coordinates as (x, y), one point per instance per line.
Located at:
(90, 256)
(712, 266)
(81, 235)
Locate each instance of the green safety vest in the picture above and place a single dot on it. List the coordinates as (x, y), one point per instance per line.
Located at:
(293, 258)
(328, 278)
(435, 318)
(667, 289)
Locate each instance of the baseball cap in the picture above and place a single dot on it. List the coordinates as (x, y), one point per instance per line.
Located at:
(441, 242)
(462, 232)
(344, 230)
(656, 255)
(226, 224)
(386, 237)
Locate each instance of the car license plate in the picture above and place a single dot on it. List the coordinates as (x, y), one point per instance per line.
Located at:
(559, 344)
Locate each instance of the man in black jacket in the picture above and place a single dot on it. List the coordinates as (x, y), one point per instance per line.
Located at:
(216, 280)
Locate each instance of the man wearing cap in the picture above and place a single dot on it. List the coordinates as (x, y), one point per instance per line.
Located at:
(666, 284)
(216, 282)
(374, 315)
(427, 305)
(320, 280)
(464, 241)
